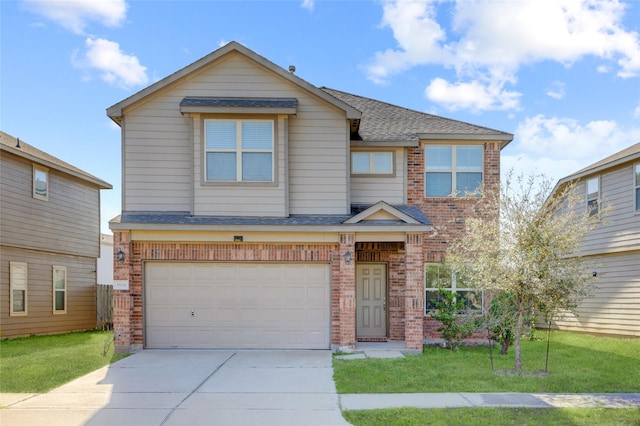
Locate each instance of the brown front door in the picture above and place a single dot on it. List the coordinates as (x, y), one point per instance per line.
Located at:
(371, 300)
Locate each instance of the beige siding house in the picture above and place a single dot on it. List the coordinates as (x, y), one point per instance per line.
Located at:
(49, 242)
(260, 211)
(613, 250)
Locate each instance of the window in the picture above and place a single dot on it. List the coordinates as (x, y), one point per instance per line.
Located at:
(59, 290)
(453, 170)
(372, 163)
(18, 284)
(40, 183)
(593, 195)
(438, 276)
(239, 150)
(637, 186)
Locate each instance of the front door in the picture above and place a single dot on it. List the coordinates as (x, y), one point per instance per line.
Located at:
(371, 300)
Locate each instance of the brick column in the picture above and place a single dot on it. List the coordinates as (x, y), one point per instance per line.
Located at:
(122, 300)
(414, 291)
(347, 286)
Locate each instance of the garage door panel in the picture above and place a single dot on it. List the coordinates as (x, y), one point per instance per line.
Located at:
(245, 305)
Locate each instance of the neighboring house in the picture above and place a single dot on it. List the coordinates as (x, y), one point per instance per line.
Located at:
(49, 242)
(613, 249)
(260, 211)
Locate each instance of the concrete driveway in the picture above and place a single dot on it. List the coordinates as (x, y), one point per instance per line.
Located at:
(198, 387)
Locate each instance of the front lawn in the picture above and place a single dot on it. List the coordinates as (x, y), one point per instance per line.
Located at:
(577, 364)
(495, 416)
(40, 363)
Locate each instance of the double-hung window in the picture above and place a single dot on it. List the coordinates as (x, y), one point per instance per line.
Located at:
(18, 290)
(239, 150)
(453, 170)
(593, 195)
(59, 290)
(40, 183)
(372, 163)
(636, 169)
(440, 277)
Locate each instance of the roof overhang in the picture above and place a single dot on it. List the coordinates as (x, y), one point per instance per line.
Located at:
(503, 138)
(389, 143)
(392, 213)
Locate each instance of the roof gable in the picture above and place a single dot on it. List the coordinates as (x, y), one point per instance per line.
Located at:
(382, 211)
(115, 112)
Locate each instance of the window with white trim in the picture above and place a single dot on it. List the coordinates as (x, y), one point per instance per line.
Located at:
(371, 163)
(18, 288)
(40, 183)
(440, 277)
(593, 195)
(637, 185)
(239, 150)
(452, 170)
(59, 290)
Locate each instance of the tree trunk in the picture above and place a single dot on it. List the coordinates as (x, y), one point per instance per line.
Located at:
(516, 343)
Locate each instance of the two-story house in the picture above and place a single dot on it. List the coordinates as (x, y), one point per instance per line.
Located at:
(612, 251)
(261, 211)
(49, 242)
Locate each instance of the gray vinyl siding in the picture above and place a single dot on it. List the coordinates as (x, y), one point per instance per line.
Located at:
(162, 164)
(69, 222)
(81, 300)
(620, 230)
(614, 308)
(371, 189)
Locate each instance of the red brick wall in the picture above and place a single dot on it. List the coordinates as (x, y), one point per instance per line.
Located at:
(447, 214)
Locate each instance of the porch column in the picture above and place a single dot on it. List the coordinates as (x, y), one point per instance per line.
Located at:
(347, 290)
(122, 300)
(414, 291)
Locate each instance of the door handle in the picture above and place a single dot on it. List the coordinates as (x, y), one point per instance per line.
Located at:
(193, 314)
(384, 306)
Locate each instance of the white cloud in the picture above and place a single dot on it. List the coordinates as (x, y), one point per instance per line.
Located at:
(75, 15)
(114, 66)
(557, 147)
(636, 112)
(474, 95)
(308, 4)
(556, 90)
(491, 40)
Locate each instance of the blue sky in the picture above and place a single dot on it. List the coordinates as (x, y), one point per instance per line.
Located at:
(562, 75)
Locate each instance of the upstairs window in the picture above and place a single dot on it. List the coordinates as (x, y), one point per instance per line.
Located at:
(18, 290)
(637, 185)
(372, 163)
(40, 183)
(453, 170)
(239, 150)
(593, 195)
(59, 290)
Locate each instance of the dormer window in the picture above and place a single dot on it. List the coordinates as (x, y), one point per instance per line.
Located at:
(239, 150)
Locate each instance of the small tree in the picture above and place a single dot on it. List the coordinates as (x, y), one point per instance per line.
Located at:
(531, 252)
(455, 327)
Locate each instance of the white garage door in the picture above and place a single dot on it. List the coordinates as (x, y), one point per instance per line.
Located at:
(227, 305)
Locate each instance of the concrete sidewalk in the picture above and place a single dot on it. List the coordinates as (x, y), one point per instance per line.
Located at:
(453, 400)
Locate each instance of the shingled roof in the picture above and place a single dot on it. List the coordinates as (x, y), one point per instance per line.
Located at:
(384, 122)
(22, 149)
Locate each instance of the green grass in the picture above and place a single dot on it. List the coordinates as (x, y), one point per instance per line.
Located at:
(40, 363)
(495, 416)
(577, 364)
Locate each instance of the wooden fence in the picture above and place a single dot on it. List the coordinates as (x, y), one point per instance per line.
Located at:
(104, 306)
